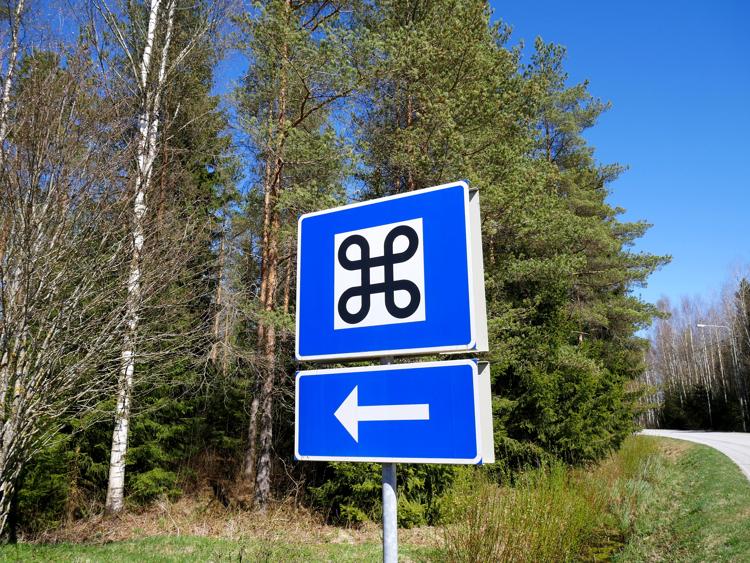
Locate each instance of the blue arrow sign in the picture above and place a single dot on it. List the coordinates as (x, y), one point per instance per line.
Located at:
(412, 413)
(397, 275)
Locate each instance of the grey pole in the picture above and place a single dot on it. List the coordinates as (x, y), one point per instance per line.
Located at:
(390, 529)
(390, 504)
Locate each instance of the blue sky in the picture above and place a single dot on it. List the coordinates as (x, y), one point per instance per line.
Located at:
(678, 76)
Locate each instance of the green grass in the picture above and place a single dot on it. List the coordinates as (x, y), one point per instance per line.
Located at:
(697, 509)
(654, 500)
(192, 548)
(549, 514)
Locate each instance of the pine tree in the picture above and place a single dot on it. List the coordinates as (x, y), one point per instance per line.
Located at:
(445, 95)
(573, 276)
(302, 67)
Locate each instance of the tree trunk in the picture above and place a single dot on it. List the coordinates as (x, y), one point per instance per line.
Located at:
(14, 17)
(257, 463)
(148, 130)
(217, 340)
(263, 476)
(288, 278)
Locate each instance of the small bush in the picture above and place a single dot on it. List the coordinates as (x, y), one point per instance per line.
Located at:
(145, 487)
(350, 493)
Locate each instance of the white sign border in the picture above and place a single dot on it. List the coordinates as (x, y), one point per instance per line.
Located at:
(479, 401)
(468, 347)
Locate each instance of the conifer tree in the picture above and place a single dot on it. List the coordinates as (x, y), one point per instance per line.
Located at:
(569, 288)
(302, 67)
(444, 97)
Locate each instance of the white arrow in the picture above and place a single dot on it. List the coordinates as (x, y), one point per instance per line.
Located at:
(350, 414)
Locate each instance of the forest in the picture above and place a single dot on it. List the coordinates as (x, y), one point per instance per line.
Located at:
(698, 372)
(148, 223)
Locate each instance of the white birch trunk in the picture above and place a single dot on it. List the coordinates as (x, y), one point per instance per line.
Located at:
(148, 130)
(15, 24)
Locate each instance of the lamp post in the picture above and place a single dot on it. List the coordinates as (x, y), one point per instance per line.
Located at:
(740, 392)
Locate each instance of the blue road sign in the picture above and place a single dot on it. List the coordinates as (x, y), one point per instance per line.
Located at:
(397, 275)
(413, 413)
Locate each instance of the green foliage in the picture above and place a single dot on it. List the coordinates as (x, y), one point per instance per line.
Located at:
(154, 483)
(559, 273)
(350, 493)
(558, 264)
(46, 487)
(66, 480)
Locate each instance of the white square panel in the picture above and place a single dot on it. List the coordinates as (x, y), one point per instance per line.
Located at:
(379, 276)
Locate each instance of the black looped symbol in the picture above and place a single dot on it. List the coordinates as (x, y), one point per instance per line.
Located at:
(389, 285)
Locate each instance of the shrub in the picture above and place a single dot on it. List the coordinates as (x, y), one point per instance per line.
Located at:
(156, 482)
(553, 513)
(545, 516)
(350, 493)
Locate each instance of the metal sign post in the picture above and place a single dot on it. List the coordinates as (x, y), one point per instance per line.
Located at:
(390, 514)
(390, 503)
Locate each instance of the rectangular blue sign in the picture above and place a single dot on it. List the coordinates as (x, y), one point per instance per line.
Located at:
(409, 413)
(390, 276)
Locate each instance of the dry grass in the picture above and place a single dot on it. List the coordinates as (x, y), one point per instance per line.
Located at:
(202, 516)
(554, 514)
(673, 449)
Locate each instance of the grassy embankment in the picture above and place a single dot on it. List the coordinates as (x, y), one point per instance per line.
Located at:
(654, 500)
(698, 509)
(555, 514)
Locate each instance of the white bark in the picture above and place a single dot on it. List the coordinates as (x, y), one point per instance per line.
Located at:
(15, 24)
(148, 131)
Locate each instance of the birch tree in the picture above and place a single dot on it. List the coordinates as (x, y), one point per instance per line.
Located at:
(14, 13)
(697, 363)
(150, 63)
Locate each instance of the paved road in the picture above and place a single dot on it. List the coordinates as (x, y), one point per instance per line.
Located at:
(735, 445)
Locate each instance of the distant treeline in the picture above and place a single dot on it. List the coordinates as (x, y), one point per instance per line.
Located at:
(699, 364)
(147, 241)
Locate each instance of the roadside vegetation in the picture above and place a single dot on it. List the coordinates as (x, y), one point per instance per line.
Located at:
(696, 508)
(553, 513)
(654, 499)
